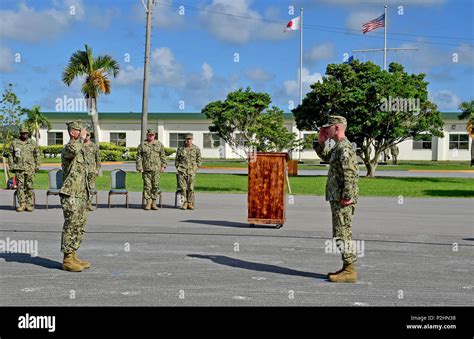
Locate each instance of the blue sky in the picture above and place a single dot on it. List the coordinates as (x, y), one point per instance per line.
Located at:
(193, 55)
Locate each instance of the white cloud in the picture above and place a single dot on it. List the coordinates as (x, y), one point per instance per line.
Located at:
(30, 25)
(165, 17)
(241, 29)
(355, 20)
(6, 59)
(292, 87)
(320, 52)
(258, 75)
(382, 2)
(446, 100)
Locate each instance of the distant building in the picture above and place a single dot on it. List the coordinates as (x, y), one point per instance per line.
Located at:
(124, 129)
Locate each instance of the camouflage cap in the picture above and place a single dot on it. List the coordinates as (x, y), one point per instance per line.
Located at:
(189, 136)
(24, 129)
(150, 131)
(77, 124)
(335, 120)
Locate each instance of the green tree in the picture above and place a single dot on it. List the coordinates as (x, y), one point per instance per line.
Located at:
(36, 120)
(11, 114)
(96, 72)
(245, 121)
(376, 105)
(467, 112)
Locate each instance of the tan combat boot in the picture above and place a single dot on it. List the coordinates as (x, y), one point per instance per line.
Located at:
(84, 264)
(190, 206)
(348, 275)
(148, 205)
(184, 206)
(153, 205)
(29, 208)
(337, 272)
(69, 264)
(21, 208)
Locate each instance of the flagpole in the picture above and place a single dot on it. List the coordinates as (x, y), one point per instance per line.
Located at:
(301, 56)
(385, 40)
(301, 71)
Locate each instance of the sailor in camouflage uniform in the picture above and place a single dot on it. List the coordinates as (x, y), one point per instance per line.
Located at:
(92, 154)
(24, 160)
(151, 162)
(74, 196)
(188, 160)
(341, 192)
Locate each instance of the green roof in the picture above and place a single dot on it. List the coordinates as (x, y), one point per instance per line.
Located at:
(168, 116)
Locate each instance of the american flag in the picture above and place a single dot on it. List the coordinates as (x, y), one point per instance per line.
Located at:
(374, 24)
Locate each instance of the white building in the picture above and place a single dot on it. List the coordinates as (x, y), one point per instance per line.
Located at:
(124, 129)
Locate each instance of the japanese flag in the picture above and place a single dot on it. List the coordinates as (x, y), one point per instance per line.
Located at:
(293, 24)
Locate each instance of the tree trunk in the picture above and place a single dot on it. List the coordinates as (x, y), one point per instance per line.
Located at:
(95, 119)
(472, 151)
(371, 166)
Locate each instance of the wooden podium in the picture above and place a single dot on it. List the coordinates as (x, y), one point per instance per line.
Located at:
(266, 188)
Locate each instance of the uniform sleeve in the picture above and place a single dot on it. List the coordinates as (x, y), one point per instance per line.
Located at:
(11, 154)
(350, 173)
(98, 160)
(71, 149)
(198, 157)
(163, 156)
(139, 158)
(323, 151)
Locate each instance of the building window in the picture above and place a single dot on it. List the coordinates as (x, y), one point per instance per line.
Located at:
(211, 140)
(177, 139)
(119, 139)
(55, 138)
(458, 141)
(422, 141)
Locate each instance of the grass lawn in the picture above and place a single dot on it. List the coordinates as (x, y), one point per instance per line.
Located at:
(237, 183)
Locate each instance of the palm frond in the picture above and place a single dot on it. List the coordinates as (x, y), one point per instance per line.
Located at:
(107, 64)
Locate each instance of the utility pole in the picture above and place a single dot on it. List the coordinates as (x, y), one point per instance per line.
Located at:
(384, 49)
(146, 69)
(301, 72)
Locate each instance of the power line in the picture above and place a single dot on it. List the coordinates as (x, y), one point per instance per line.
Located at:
(330, 29)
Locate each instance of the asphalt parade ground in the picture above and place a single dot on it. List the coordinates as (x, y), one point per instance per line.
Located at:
(419, 253)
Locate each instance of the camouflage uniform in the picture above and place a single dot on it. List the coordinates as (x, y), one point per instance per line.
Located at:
(187, 161)
(343, 176)
(24, 160)
(92, 157)
(151, 158)
(74, 192)
(394, 150)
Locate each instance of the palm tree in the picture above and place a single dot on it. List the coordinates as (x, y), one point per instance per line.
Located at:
(95, 70)
(467, 109)
(36, 120)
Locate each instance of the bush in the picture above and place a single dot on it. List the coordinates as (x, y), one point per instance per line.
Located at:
(107, 146)
(132, 156)
(51, 151)
(169, 151)
(106, 155)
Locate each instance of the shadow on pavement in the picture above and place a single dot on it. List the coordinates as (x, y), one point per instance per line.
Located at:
(24, 258)
(254, 266)
(227, 223)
